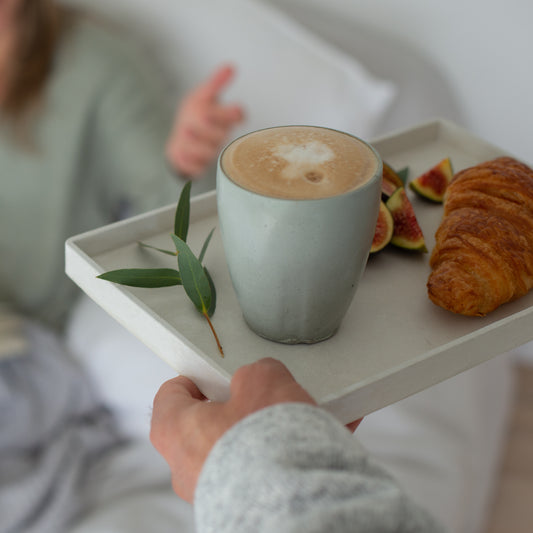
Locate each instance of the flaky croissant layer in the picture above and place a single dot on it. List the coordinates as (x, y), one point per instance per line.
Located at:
(483, 256)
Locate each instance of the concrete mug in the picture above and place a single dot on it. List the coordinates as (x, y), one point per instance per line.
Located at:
(297, 207)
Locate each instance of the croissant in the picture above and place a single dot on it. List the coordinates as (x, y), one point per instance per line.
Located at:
(483, 256)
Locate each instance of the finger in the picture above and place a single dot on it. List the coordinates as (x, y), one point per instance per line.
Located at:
(190, 154)
(198, 152)
(275, 366)
(192, 164)
(225, 116)
(352, 426)
(180, 384)
(172, 400)
(210, 121)
(270, 369)
(207, 132)
(266, 382)
(217, 82)
(178, 392)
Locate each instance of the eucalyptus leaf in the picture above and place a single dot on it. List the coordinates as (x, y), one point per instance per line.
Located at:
(402, 174)
(181, 219)
(149, 278)
(211, 310)
(168, 252)
(204, 247)
(193, 277)
(213, 306)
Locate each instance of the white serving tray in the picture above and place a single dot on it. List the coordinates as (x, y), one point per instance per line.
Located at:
(393, 342)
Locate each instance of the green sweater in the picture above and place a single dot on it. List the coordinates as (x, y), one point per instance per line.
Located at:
(99, 146)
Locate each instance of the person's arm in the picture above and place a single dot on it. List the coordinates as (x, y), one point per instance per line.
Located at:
(270, 460)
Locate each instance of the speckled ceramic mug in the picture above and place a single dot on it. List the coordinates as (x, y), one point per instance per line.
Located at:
(297, 207)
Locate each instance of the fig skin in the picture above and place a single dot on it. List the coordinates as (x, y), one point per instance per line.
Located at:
(432, 184)
(407, 231)
(384, 229)
(390, 181)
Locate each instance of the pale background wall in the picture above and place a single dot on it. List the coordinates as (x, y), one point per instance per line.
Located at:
(485, 49)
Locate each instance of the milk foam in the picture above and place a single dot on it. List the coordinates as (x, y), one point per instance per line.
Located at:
(299, 162)
(303, 159)
(313, 152)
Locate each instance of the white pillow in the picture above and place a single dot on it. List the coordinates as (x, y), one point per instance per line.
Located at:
(286, 74)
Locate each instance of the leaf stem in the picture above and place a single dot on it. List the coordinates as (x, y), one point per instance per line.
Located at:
(214, 333)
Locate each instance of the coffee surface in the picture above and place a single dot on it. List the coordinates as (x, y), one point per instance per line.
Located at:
(299, 162)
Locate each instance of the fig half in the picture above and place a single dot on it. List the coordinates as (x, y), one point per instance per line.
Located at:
(432, 184)
(390, 182)
(407, 232)
(384, 229)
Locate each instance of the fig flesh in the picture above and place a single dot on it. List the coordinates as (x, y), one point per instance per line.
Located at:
(384, 229)
(407, 233)
(433, 183)
(390, 182)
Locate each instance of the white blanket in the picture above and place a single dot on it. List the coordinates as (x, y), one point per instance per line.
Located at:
(57, 441)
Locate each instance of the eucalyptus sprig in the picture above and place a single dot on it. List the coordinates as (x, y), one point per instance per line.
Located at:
(191, 273)
(403, 173)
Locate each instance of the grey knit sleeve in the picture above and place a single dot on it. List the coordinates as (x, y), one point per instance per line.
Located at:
(294, 468)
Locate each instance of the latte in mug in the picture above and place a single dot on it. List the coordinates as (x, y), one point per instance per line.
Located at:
(297, 207)
(299, 162)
